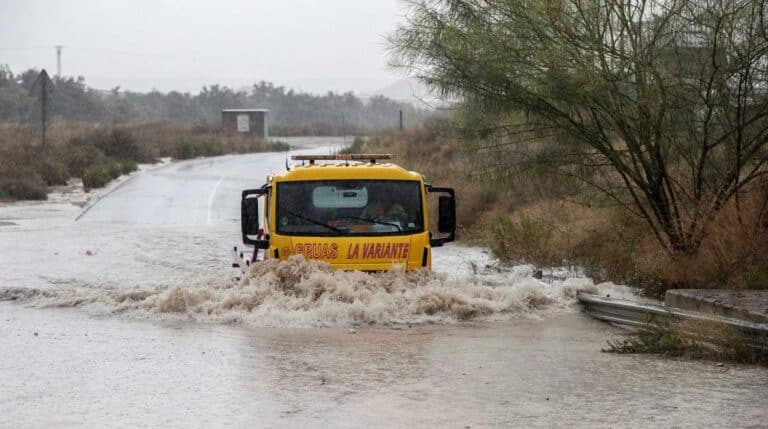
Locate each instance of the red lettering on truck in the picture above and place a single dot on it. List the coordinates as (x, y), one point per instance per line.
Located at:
(318, 250)
(378, 251)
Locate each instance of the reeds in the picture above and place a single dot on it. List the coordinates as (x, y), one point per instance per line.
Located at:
(98, 154)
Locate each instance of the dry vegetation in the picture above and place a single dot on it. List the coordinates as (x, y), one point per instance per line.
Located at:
(531, 213)
(693, 339)
(98, 154)
(536, 216)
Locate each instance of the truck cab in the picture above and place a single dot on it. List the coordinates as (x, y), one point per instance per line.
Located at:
(351, 211)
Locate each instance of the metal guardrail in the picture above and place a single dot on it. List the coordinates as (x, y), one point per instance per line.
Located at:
(636, 314)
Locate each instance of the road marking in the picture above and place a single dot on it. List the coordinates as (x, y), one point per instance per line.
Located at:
(210, 197)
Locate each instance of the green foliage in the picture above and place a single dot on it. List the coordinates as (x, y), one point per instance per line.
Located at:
(80, 155)
(114, 168)
(128, 166)
(15, 101)
(99, 174)
(26, 186)
(694, 339)
(277, 146)
(96, 176)
(653, 338)
(356, 147)
(120, 143)
(754, 276)
(53, 171)
(190, 146)
(194, 146)
(98, 155)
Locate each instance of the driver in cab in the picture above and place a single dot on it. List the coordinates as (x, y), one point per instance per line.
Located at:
(384, 207)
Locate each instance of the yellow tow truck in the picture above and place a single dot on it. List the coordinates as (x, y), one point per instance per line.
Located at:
(351, 211)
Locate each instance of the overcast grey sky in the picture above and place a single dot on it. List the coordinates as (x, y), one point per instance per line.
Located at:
(143, 44)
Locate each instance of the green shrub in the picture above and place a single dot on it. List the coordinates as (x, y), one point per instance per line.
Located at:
(53, 172)
(114, 169)
(357, 146)
(120, 143)
(102, 173)
(92, 137)
(117, 143)
(128, 166)
(27, 187)
(96, 176)
(277, 146)
(707, 339)
(754, 275)
(185, 149)
(193, 146)
(81, 156)
(208, 148)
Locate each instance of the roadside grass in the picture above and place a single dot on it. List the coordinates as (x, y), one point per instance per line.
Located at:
(535, 216)
(318, 129)
(99, 154)
(697, 339)
(531, 214)
(191, 146)
(98, 175)
(27, 187)
(357, 146)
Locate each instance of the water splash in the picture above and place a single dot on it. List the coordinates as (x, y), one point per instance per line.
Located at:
(300, 292)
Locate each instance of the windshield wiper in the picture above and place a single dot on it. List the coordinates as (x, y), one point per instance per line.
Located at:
(364, 219)
(316, 222)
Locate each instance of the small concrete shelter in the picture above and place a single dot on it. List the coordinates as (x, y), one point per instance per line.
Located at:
(246, 121)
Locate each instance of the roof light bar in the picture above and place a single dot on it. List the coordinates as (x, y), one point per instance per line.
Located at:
(340, 157)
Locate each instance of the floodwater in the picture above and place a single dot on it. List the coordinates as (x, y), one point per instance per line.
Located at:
(127, 317)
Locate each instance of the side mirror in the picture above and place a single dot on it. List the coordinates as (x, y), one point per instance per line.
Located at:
(446, 223)
(447, 210)
(249, 217)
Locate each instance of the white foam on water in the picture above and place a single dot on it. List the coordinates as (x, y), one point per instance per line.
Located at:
(466, 285)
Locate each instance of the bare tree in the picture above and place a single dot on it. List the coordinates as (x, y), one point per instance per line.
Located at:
(665, 100)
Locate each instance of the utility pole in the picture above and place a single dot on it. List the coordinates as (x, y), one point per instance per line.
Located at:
(44, 79)
(401, 121)
(343, 129)
(58, 60)
(45, 86)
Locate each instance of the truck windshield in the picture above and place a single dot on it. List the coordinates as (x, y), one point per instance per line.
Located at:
(349, 207)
